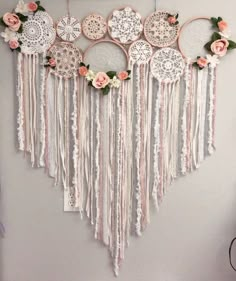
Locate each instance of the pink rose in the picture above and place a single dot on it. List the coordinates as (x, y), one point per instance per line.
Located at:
(83, 70)
(32, 6)
(14, 44)
(123, 75)
(172, 20)
(12, 21)
(202, 62)
(223, 25)
(219, 47)
(101, 80)
(52, 62)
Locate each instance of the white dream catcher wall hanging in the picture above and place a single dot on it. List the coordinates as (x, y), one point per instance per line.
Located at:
(115, 131)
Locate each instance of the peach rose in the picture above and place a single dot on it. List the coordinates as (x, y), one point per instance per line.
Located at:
(101, 80)
(14, 44)
(52, 62)
(123, 75)
(219, 47)
(172, 20)
(12, 21)
(32, 6)
(223, 25)
(83, 70)
(202, 62)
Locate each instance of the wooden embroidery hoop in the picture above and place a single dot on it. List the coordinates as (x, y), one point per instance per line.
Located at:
(106, 41)
(183, 27)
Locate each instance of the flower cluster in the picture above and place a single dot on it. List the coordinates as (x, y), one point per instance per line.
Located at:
(218, 46)
(51, 62)
(173, 19)
(103, 80)
(13, 22)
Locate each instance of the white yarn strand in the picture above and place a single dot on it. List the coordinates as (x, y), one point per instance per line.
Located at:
(211, 110)
(20, 116)
(137, 153)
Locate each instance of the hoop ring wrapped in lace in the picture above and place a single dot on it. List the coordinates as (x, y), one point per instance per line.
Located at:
(125, 25)
(167, 65)
(38, 33)
(140, 52)
(94, 27)
(67, 57)
(68, 28)
(158, 31)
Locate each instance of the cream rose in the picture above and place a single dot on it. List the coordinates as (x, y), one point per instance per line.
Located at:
(101, 80)
(12, 21)
(14, 44)
(219, 47)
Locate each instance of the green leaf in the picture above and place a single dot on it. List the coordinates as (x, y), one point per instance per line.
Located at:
(207, 46)
(88, 66)
(111, 74)
(22, 17)
(40, 8)
(177, 22)
(82, 64)
(38, 3)
(20, 30)
(90, 83)
(129, 71)
(214, 22)
(128, 78)
(18, 49)
(48, 57)
(198, 57)
(106, 90)
(215, 36)
(219, 19)
(232, 45)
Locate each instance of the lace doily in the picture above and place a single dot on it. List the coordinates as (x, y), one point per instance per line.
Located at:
(167, 65)
(158, 31)
(38, 33)
(68, 28)
(68, 58)
(94, 27)
(140, 52)
(125, 25)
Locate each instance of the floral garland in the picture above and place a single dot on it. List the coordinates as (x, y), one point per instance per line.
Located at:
(13, 22)
(218, 46)
(103, 80)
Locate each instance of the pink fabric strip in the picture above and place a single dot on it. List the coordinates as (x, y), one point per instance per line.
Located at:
(101, 179)
(23, 94)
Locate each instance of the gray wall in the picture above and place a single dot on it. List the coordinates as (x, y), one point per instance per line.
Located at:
(186, 241)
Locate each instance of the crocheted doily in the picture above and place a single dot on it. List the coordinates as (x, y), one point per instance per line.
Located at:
(68, 28)
(125, 25)
(167, 65)
(158, 31)
(38, 33)
(140, 52)
(94, 27)
(68, 58)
